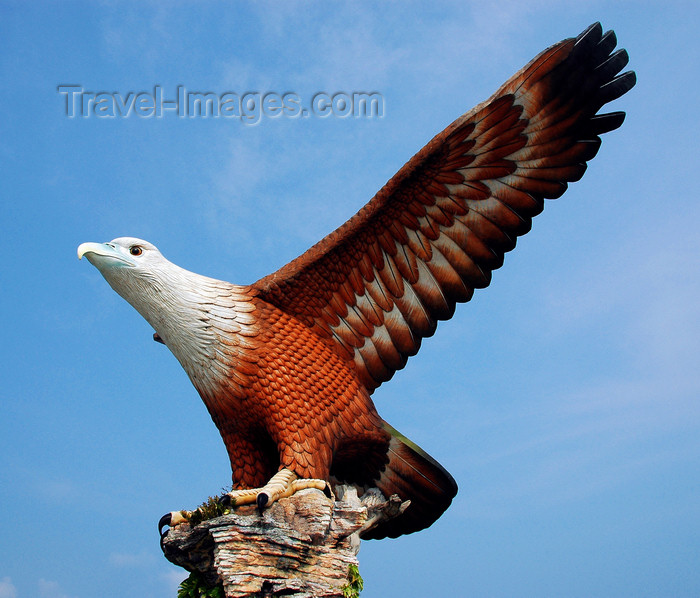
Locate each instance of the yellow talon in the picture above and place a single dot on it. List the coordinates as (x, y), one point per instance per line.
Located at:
(283, 484)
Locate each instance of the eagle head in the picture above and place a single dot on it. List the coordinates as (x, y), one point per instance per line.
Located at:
(138, 272)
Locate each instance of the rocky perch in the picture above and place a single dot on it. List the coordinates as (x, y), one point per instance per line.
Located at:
(304, 546)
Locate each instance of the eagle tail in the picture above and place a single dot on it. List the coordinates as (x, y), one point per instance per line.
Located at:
(413, 475)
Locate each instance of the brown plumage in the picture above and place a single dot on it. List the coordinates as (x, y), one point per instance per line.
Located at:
(286, 366)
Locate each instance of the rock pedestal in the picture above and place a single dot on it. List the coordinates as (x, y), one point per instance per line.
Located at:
(301, 546)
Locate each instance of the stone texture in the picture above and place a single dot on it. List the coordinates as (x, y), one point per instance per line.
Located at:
(302, 546)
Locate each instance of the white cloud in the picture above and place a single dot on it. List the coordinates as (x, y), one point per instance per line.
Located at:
(131, 560)
(142, 35)
(55, 490)
(51, 589)
(352, 50)
(7, 589)
(173, 578)
(594, 441)
(645, 293)
(236, 187)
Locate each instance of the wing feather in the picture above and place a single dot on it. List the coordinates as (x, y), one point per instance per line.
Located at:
(378, 285)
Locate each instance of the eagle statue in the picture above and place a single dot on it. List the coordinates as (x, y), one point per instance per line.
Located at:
(286, 366)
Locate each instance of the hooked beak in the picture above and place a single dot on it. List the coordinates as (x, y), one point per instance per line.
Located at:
(99, 254)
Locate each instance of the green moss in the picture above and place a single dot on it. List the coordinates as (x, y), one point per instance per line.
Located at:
(209, 509)
(355, 584)
(195, 587)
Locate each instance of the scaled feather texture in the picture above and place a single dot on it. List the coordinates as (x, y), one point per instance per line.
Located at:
(286, 366)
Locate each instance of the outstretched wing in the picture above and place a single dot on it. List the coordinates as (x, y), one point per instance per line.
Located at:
(381, 282)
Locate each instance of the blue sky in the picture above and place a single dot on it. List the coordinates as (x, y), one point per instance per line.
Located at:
(563, 399)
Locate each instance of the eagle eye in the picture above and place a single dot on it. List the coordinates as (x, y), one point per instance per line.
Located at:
(135, 250)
